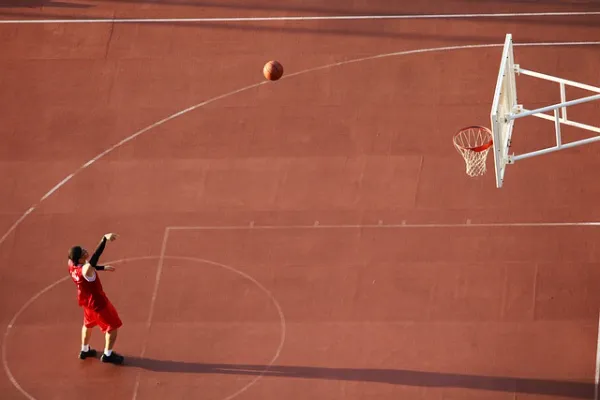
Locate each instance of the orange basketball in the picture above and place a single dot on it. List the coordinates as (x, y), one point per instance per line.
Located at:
(273, 70)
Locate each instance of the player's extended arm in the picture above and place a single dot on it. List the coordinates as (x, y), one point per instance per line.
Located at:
(92, 265)
(96, 256)
(89, 269)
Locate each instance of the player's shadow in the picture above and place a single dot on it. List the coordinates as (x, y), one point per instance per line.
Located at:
(571, 389)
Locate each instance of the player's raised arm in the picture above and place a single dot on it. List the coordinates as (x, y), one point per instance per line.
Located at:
(92, 264)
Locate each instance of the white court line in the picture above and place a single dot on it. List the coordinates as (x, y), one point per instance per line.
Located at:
(18, 222)
(298, 18)
(404, 225)
(161, 261)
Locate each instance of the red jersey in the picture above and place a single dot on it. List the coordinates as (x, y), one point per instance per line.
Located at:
(89, 294)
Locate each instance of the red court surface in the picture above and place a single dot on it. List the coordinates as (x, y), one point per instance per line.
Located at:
(315, 237)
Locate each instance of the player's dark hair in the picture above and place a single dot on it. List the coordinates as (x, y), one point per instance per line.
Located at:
(75, 253)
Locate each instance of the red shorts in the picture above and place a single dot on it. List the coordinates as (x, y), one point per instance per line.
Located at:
(107, 318)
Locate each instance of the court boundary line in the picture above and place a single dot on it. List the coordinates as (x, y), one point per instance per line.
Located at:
(403, 225)
(157, 278)
(301, 18)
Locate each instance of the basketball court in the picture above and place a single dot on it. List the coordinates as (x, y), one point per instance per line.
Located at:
(314, 237)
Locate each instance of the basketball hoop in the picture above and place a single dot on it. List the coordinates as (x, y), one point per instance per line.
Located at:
(474, 143)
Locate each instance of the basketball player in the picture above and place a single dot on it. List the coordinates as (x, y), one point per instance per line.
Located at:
(97, 308)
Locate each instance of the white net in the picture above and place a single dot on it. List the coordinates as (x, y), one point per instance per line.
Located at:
(474, 143)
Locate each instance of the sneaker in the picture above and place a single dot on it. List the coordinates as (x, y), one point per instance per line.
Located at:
(85, 354)
(114, 358)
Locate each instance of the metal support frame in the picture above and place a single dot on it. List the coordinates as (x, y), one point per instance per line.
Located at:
(558, 118)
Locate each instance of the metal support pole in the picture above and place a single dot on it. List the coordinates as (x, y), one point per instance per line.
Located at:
(553, 149)
(570, 123)
(563, 99)
(553, 107)
(557, 127)
(559, 80)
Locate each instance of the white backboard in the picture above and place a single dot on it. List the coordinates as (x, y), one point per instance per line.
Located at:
(505, 102)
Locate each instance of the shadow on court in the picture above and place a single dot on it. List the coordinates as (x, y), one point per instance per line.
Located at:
(579, 390)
